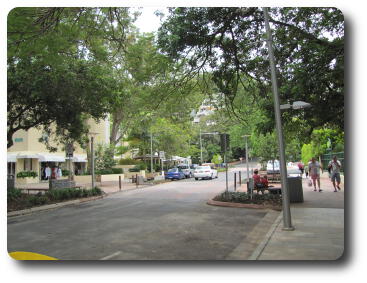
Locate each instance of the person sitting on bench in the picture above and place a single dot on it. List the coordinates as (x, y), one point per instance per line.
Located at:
(258, 185)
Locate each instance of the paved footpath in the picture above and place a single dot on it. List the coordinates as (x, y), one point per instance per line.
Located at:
(319, 228)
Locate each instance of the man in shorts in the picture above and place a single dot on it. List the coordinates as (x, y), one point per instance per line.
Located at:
(314, 170)
(335, 166)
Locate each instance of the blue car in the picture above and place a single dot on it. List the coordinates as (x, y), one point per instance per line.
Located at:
(174, 174)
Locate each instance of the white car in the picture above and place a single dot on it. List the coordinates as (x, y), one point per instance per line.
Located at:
(205, 172)
(273, 167)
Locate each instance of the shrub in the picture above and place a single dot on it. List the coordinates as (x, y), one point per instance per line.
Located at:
(96, 191)
(65, 172)
(117, 171)
(25, 174)
(14, 194)
(128, 161)
(103, 172)
(138, 167)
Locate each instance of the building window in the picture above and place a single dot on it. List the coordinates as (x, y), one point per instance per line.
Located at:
(27, 164)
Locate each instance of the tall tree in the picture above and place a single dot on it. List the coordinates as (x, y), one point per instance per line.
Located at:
(56, 66)
(229, 42)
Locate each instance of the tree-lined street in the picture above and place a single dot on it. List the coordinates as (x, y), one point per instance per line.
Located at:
(167, 221)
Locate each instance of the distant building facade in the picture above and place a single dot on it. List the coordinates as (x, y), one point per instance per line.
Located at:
(29, 154)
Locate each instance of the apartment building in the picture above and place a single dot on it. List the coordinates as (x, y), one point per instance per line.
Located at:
(28, 154)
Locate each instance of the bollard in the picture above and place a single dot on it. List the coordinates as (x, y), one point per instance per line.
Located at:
(239, 177)
(136, 180)
(235, 181)
(120, 183)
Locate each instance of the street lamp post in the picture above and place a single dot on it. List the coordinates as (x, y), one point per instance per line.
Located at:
(247, 167)
(201, 148)
(92, 156)
(151, 152)
(287, 221)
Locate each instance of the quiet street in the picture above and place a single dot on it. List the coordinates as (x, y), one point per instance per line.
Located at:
(162, 222)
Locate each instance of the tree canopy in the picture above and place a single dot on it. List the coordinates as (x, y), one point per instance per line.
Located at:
(56, 70)
(229, 44)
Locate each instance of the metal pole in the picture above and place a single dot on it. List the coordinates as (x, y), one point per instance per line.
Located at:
(201, 149)
(120, 183)
(235, 180)
(248, 177)
(287, 221)
(151, 152)
(225, 160)
(92, 159)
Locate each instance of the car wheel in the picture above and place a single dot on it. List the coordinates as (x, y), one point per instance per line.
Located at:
(211, 177)
(196, 179)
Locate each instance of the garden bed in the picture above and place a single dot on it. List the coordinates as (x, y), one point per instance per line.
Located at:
(18, 201)
(242, 199)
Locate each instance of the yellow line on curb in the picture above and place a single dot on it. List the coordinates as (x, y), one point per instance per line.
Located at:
(30, 256)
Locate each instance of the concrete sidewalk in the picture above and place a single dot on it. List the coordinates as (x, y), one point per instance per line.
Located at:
(319, 228)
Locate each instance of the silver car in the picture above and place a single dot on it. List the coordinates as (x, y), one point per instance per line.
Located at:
(186, 170)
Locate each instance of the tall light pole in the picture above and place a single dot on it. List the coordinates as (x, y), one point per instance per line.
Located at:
(92, 156)
(151, 152)
(201, 148)
(247, 167)
(287, 221)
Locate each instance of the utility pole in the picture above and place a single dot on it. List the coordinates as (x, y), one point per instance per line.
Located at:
(92, 159)
(201, 149)
(287, 223)
(247, 167)
(151, 152)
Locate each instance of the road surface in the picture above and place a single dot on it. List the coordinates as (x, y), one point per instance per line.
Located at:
(170, 221)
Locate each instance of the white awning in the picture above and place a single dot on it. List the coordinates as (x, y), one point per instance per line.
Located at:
(27, 155)
(12, 157)
(50, 158)
(79, 158)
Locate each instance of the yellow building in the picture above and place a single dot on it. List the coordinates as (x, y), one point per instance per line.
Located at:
(28, 154)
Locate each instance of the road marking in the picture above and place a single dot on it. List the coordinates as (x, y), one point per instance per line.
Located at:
(111, 256)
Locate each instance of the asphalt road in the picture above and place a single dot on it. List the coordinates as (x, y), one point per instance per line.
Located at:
(170, 221)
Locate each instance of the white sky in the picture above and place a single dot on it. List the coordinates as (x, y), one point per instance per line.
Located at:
(147, 21)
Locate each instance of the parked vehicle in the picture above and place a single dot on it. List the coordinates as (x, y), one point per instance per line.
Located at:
(174, 174)
(186, 170)
(273, 167)
(205, 172)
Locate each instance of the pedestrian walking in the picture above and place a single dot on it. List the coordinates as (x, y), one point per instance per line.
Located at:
(314, 171)
(47, 172)
(334, 166)
(59, 172)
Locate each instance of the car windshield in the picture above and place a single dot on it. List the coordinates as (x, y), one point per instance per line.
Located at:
(183, 167)
(173, 170)
(202, 167)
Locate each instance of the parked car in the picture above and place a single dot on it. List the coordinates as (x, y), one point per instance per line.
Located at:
(205, 172)
(186, 170)
(273, 167)
(174, 174)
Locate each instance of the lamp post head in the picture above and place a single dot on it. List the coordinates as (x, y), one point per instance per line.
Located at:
(301, 105)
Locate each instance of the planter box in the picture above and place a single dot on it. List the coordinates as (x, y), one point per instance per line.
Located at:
(83, 179)
(99, 178)
(111, 177)
(27, 180)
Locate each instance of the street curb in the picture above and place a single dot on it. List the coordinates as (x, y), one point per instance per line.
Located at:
(52, 206)
(241, 205)
(259, 249)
